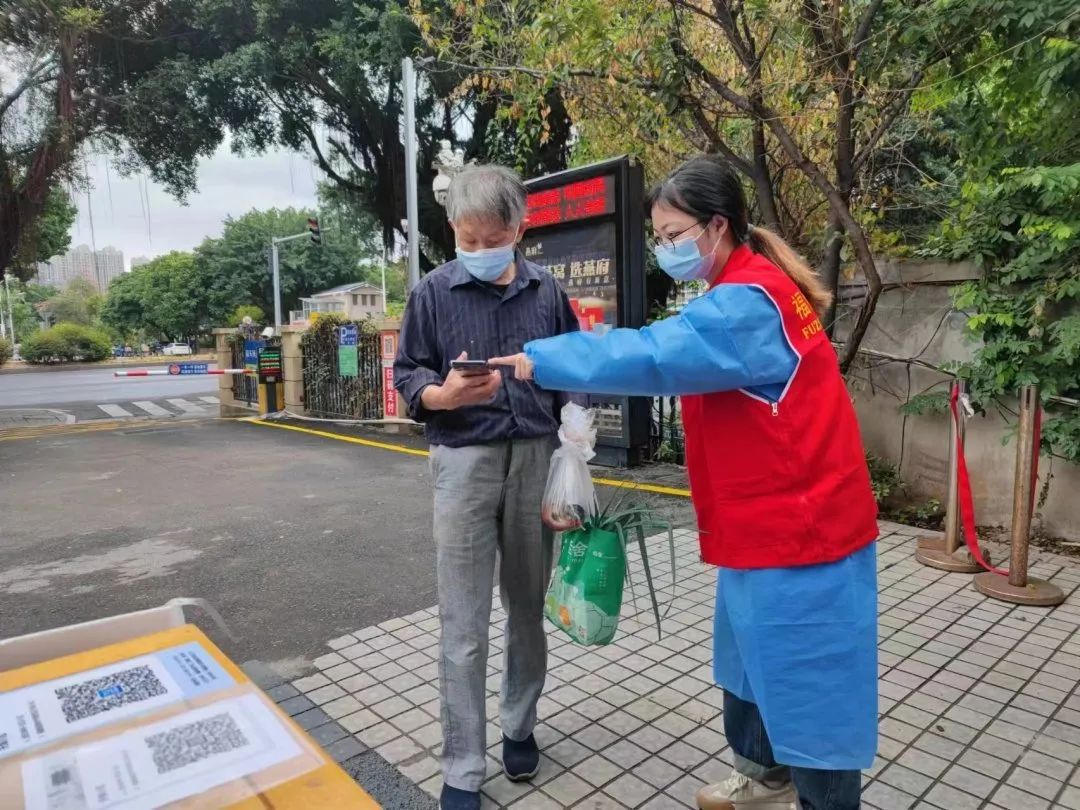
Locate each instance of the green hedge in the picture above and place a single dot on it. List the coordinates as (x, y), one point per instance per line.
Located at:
(66, 342)
(6, 350)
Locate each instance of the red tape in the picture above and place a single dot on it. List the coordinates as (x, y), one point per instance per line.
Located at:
(963, 492)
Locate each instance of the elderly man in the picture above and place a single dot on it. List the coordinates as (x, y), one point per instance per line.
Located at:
(491, 441)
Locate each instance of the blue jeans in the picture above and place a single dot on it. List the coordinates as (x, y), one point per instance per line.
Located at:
(817, 789)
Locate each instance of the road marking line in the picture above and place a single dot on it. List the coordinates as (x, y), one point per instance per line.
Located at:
(211, 400)
(411, 451)
(185, 406)
(115, 410)
(151, 408)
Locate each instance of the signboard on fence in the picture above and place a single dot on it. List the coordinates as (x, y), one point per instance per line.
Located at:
(388, 343)
(348, 353)
(269, 364)
(189, 368)
(251, 353)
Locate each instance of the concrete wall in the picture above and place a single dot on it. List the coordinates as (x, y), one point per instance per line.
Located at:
(914, 318)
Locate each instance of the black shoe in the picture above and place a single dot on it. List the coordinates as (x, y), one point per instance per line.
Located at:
(521, 760)
(453, 798)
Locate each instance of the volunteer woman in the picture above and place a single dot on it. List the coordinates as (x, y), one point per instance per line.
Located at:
(780, 486)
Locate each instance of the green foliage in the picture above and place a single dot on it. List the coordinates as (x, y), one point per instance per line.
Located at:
(6, 350)
(79, 304)
(164, 299)
(128, 75)
(929, 514)
(1017, 213)
(885, 478)
(65, 343)
(245, 311)
(50, 234)
(235, 268)
(927, 403)
(1023, 228)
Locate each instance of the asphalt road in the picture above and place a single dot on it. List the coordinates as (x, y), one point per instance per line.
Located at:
(46, 388)
(295, 539)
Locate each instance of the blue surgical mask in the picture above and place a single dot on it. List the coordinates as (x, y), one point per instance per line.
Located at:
(683, 260)
(487, 264)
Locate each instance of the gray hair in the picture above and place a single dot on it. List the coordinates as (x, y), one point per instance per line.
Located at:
(486, 192)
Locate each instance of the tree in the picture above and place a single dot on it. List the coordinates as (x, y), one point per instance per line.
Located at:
(50, 234)
(802, 98)
(325, 78)
(246, 311)
(1017, 214)
(79, 304)
(120, 74)
(164, 299)
(235, 266)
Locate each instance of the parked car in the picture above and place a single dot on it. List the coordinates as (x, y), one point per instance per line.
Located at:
(176, 348)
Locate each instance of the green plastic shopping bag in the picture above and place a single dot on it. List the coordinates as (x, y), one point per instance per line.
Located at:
(585, 594)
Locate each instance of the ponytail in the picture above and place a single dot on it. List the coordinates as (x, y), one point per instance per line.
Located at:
(780, 253)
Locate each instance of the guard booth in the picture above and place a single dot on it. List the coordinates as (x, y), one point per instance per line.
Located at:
(586, 226)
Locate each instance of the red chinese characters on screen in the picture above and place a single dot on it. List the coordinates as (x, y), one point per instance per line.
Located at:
(580, 200)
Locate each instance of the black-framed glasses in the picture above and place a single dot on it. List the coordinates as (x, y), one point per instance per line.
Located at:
(668, 242)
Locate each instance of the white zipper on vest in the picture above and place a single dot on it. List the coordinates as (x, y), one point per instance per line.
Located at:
(776, 409)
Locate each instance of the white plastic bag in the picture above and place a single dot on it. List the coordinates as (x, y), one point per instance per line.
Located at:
(569, 497)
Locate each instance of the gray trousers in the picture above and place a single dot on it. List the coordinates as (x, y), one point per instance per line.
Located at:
(487, 506)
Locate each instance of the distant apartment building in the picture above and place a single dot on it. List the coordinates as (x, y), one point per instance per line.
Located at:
(139, 261)
(81, 262)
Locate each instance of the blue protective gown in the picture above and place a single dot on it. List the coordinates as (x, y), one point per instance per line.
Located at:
(799, 642)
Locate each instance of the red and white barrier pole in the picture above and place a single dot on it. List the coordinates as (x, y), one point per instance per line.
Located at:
(164, 372)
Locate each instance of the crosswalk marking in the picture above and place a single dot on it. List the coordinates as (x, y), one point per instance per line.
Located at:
(115, 410)
(151, 408)
(185, 406)
(211, 400)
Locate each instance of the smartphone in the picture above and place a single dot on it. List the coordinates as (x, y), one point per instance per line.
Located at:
(470, 368)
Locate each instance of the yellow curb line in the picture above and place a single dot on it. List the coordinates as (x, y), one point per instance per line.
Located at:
(59, 430)
(397, 448)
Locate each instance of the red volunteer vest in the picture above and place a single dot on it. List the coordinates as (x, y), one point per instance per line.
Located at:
(786, 483)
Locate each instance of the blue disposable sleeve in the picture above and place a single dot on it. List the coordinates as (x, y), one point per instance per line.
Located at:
(732, 337)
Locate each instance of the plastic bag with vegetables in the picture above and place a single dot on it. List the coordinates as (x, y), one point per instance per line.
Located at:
(569, 497)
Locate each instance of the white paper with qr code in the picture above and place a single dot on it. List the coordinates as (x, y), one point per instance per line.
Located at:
(163, 762)
(51, 711)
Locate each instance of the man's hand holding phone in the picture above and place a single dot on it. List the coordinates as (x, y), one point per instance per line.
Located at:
(468, 383)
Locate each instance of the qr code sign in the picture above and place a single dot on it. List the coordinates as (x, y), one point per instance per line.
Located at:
(196, 741)
(99, 695)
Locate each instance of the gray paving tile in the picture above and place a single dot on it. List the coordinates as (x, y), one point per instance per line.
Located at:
(949, 798)
(973, 782)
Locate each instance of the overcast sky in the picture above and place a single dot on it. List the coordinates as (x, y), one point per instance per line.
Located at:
(228, 186)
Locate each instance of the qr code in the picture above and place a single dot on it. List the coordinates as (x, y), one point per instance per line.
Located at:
(99, 695)
(196, 741)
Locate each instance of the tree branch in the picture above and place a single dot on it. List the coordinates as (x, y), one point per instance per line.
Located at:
(888, 117)
(862, 31)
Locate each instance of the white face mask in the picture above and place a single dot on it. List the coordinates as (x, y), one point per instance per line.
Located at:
(487, 264)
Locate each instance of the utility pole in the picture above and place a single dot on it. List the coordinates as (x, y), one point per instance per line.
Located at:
(313, 232)
(412, 230)
(11, 314)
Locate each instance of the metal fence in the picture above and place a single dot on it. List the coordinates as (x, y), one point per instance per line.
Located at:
(245, 386)
(326, 392)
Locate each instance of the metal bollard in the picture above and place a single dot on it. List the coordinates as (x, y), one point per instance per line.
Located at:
(1019, 588)
(950, 553)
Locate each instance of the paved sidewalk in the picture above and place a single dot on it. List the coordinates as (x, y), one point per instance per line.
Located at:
(979, 699)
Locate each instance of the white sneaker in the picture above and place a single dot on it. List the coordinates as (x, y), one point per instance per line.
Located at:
(739, 792)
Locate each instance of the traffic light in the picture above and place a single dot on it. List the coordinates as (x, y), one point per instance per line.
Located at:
(313, 229)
